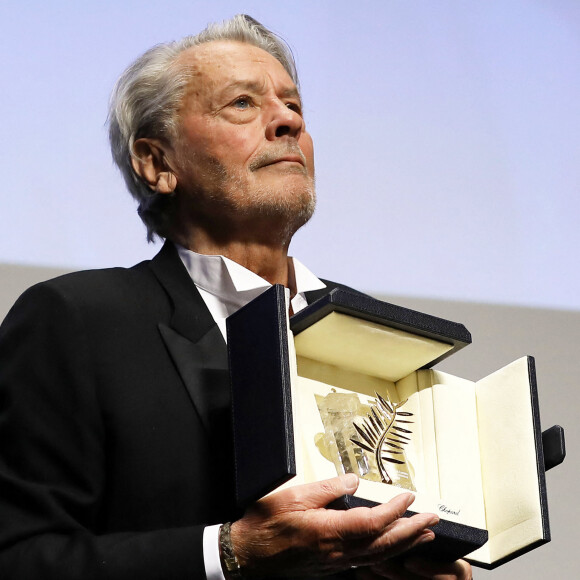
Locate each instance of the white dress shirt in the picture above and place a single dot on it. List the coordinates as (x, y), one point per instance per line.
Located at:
(225, 287)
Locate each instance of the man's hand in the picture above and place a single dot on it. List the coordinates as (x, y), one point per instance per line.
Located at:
(291, 532)
(416, 569)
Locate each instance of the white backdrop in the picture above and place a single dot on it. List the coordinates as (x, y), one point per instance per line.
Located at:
(447, 138)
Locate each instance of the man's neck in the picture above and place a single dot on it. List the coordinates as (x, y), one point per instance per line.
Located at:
(267, 261)
(261, 246)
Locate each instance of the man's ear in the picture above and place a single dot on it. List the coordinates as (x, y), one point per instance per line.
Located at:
(150, 163)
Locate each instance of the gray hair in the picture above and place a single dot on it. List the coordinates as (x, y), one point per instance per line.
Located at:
(146, 98)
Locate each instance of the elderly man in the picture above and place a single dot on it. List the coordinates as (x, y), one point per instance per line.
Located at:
(116, 461)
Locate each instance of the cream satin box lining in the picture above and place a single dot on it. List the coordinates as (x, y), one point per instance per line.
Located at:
(473, 445)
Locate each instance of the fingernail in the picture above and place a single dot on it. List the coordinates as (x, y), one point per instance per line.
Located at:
(426, 537)
(351, 482)
(427, 519)
(408, 499)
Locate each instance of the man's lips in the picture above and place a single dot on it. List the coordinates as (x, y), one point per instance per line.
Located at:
(287, 158)
(272, 158)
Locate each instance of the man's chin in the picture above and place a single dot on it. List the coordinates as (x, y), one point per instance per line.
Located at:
(288, 210)
(292, 209)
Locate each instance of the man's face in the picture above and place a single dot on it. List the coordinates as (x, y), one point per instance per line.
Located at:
(243, 150)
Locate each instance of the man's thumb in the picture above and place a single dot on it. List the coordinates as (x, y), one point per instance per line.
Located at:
(321, 493)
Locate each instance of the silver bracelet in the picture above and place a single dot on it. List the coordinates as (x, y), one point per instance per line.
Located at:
(227, 554)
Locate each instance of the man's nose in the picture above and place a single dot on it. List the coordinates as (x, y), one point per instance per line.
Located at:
(284, 122)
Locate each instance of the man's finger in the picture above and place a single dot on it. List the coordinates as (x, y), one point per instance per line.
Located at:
(392, 543)
(316, 495)
(364, 522)
(365, 536)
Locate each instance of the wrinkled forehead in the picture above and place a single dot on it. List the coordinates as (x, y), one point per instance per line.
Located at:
(214, 68)
(220, 60)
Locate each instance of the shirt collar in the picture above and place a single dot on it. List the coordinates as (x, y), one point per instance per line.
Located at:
(235, 285)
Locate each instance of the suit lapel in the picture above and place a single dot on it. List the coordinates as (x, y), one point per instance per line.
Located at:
(190, 316)
(203, 368)
(194, 341)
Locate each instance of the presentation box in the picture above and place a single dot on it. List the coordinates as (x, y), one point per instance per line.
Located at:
(347, 385)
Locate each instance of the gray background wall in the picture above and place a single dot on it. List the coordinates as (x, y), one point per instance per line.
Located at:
(500, 335)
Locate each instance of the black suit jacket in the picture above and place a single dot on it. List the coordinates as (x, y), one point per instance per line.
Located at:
(114, 427)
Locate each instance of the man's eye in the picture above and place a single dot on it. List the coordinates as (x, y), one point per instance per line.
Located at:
(295, 107)
(242, 103)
